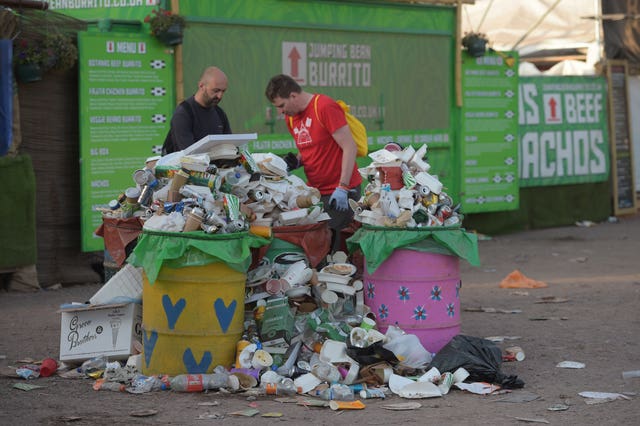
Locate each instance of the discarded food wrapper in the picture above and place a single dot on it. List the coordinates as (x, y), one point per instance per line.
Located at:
(517, 279)
(478, 388)
(346, 405)
(602, 396)
(570, 364)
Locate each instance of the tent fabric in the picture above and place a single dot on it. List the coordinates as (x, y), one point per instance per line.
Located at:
(621, 30)
(506, 21)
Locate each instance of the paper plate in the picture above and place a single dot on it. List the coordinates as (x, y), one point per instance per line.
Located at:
(344, 269)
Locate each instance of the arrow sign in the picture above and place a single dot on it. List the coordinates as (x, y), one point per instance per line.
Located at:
(294, 58)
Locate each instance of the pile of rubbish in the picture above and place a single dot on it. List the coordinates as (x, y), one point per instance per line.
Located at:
(225, 189)
(401, 193)
(307, 330)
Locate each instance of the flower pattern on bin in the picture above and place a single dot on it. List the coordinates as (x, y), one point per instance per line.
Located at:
(419, 313)
(436, 293)
(371, 290)
(451, 310)
(383, 311)
(404, 293)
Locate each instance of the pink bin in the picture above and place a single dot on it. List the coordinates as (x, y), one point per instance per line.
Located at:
(418, 292)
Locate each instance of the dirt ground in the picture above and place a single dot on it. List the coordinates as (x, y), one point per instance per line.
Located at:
(597, 268)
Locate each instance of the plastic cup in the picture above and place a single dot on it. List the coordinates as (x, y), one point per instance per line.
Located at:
(48, 367)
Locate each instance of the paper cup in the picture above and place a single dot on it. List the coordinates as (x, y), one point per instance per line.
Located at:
(261, 231)
(304, 201)
(261, 359)
(460, 375)
(367, 323)
(298, 274)
(179, 179)
(275, 286)
(516, 352)
(194, 220)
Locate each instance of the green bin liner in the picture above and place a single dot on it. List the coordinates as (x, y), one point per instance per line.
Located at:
(182, 249)
(378, 243)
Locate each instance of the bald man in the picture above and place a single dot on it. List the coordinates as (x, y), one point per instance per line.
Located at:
(199, 115)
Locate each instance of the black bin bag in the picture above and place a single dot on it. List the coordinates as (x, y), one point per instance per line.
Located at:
(480, 357)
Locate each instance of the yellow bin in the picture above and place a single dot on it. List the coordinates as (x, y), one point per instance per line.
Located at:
(192, 319)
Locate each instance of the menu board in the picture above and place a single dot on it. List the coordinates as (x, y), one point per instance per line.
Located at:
(126, 101)
(624, 196)
(489, 133)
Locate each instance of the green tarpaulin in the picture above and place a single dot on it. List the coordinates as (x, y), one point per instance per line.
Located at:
(378, 243)
(178, 250)
(18, 209)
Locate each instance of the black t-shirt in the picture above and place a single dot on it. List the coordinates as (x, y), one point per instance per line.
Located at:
(191, 122)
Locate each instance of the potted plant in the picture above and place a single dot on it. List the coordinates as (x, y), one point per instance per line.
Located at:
(60, 52)
(166, 26)
(475, 43)
(28, 58)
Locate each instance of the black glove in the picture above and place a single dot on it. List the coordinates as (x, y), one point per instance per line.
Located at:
(292, 161)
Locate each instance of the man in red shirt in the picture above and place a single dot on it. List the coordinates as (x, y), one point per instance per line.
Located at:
(326, 148)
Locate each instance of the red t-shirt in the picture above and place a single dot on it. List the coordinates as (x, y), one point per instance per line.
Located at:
(321, 155)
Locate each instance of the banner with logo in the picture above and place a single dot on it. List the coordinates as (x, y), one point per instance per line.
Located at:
(105, 9)
(127, 97)
(563, 131)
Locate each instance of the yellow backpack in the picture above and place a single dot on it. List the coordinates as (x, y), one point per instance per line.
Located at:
(358, 131)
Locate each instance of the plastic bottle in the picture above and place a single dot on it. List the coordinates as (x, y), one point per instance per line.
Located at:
(199, 382)
(326, 372)
(285, 387)
(337, 392)
(144, 384)
(93, 365)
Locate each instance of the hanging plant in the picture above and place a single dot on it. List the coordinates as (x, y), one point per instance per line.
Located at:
(166, 26)
(27, 51)
(475, 43)
(28, 59)
(61, 52)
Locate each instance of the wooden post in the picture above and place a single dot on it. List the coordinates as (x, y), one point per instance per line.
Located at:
(175, 8)
(458, 51)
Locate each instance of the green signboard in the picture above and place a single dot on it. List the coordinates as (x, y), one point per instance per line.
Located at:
(127, 97)
(389, 80)
(489, 134)
(563, 131)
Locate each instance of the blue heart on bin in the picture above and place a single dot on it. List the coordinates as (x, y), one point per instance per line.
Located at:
(194, 367)
(172, 311)
(224, 313)
(149, 345)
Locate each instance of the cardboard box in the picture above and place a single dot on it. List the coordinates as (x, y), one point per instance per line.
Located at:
(277, 323)
(89, 331)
